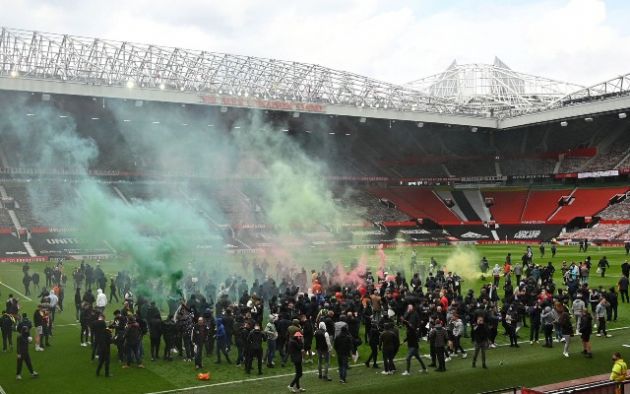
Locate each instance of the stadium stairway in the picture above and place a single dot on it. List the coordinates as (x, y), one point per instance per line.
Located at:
(121, 195)
(463, 203)
(475, 199)
(446, 195)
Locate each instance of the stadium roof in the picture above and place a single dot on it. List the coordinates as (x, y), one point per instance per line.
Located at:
(478, 95)
(493, 88)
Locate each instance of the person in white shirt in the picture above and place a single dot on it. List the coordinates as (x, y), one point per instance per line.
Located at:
(101, 300)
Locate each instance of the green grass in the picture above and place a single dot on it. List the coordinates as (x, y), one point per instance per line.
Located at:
(66, 368)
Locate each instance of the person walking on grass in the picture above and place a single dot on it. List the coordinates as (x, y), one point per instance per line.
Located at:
(439, 337)
(104, 348)
(480, 335)
(389, 344)
(586, 330)
(22, 353)
(600, 312)
(295, 349)
(343, 347)
(566, 330)
(413, 347)
(323, 346)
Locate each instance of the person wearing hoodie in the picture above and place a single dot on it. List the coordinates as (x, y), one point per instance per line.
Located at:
(222, 342)
(438, 335)
(101, 301)
(272, 336)
(323, 346)
(343, 347)
(547, 318)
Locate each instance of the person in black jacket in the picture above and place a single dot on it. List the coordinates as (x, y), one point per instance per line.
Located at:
(254, 349)
(413, 347)
(6, 326)
(480, 335)
(374, 337)
(389, 344)
(155, 335)
(104, 343)
(439, 336)
(98, 328)
(22, 353)
(343, 346)
(294, 350)
(198, 339)
(169, 331)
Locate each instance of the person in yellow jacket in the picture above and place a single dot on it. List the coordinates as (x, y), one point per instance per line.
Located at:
(619, 369)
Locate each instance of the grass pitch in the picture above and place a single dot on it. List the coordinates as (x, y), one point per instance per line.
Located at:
(65, 367)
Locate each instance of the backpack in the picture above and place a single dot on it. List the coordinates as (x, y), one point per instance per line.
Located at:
(320, 340)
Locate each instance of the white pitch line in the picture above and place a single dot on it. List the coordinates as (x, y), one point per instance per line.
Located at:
(286, 375)
(2, 390)
(15, 291)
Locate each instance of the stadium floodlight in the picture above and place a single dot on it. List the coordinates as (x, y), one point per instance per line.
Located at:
(162, 86)
(622, 115)
(210, 125)
(14, 74)
(130, 84)
(474, 129)
(589, 119)
(156, 122)
(95, 118)
(331, 133)
(420, 124)
(362, 119)
(564, 123)
(348, 134)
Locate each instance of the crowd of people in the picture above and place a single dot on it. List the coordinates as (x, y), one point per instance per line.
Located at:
(311, 318)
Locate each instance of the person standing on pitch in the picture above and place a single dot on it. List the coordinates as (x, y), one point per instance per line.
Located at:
(295, 348)
(413, 347)
(343, 347)
(480, 336)
(22, 353)
(104, 344)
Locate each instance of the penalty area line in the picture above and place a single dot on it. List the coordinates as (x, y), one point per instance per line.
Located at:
(15, 291)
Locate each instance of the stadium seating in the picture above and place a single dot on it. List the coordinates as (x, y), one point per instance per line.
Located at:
(508, 205)
(620, 211)
(603, 232)
(419, 203)
(541, 204)
(586, 202)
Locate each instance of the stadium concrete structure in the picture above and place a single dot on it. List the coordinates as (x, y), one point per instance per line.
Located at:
(477, 153)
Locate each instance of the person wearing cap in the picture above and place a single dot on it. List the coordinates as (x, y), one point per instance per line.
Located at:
(295, 349)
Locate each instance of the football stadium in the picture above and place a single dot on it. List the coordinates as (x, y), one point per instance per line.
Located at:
(177, 220)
